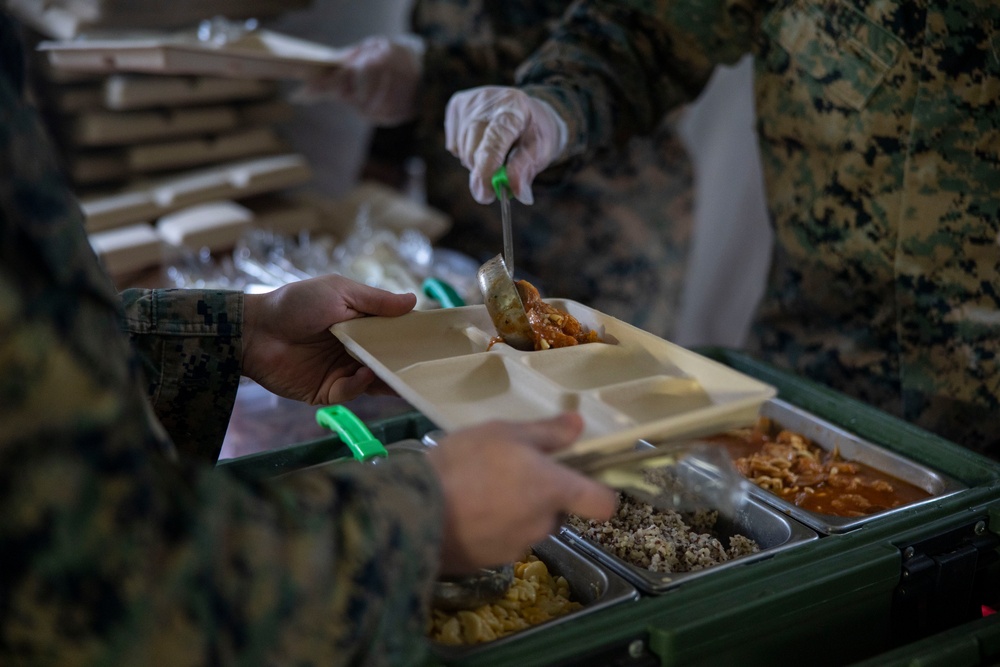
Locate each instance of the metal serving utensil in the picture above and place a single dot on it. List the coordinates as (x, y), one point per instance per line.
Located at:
(683, 476)
(469, 592)
(496, 279)
(501, 186)
(504, 305)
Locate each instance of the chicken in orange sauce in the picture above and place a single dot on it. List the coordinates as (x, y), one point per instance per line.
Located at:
(791, 466)
(550, 326)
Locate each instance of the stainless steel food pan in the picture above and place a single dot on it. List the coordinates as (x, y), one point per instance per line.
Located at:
(592, 585)
(828, 436)
(772, 531)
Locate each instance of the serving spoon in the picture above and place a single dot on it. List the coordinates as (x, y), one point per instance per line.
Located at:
(504, 305)
(496, 279)
(501, 186)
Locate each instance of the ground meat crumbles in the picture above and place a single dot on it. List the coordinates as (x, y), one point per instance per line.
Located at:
(663, 540)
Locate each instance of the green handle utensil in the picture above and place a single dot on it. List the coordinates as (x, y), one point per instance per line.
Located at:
(352, 432)
(469, 592)
(500, 183)
(442, 292)
(501, 186)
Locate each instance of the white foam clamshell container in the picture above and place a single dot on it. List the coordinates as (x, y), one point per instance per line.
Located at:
(233, 180)
(127, 91)
(213, 225)
(263, 54)
(638, 386)
(128, 248)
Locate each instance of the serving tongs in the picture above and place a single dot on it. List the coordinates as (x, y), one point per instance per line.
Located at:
(683, 475)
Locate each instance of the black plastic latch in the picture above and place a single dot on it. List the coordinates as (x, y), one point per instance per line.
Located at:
(945, 580)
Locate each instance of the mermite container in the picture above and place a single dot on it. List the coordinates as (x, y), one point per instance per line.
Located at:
(904, 583)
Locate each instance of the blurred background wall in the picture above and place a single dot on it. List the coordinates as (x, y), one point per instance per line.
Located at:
(331, 135)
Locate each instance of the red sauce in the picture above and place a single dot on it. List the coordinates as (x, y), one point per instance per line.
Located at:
(799, 471)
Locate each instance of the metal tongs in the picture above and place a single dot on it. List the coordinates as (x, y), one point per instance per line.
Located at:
(496, 281)
(683, 475)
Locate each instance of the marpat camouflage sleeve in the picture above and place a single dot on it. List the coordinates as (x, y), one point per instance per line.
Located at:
(189, 345)
(613, 233)
(615, 69)
(114, 549)
(880, 145)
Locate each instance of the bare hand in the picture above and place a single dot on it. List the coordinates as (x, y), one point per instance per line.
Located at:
(289, 350)
(504, 493)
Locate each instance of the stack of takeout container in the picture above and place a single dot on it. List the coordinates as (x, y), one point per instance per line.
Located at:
(65, 19)
(822, 590)
(171, 137)
(161, 161)
(167, 155)
(120, 129)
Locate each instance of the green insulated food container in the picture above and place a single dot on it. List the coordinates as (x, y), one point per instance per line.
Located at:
(898, 586)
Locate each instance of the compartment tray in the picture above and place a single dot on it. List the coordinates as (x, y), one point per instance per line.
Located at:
(635, 386)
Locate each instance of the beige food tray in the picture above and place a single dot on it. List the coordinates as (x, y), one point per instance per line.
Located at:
(639, 386)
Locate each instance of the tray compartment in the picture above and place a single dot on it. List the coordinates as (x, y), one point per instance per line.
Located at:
(419, 336)
(459, 386)
(656, 397)
(597, 365)
(462, 385)
(591, 584)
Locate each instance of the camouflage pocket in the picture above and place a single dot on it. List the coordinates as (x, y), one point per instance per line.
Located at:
(845, 53)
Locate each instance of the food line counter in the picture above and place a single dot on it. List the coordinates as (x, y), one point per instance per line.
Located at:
(840, 598)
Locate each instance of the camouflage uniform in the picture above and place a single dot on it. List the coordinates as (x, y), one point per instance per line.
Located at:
(879, 135)
(121, 543)
(614, 236)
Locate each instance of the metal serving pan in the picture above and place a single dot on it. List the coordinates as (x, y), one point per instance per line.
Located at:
(772, 531)
(590, 584)
(827, 435)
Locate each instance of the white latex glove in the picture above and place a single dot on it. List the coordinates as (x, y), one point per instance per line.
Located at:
(482, 125)
(379, 78)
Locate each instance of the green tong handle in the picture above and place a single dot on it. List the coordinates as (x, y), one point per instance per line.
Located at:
(500, 182)
(442, 292)
(352, 432)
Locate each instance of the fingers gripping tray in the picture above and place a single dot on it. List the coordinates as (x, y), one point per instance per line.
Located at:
(635, 385)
